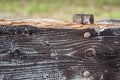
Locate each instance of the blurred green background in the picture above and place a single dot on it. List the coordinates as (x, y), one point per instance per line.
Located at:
(59, 9)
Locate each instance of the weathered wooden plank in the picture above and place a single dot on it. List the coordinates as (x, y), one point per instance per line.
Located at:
(31, 53)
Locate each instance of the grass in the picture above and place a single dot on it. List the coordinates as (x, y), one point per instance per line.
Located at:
(58, 9)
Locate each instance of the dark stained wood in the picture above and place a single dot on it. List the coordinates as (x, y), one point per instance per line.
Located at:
(30, 53)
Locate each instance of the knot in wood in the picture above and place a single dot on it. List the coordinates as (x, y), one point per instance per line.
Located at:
(15, 53)
(90, 53)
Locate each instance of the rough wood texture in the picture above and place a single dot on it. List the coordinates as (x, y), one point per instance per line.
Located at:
(32, 53)
(83, 18)
(48, 23)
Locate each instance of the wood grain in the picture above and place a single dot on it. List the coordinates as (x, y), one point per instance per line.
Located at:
(31, 53)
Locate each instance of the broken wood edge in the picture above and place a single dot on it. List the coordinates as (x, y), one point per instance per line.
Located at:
(49, 23)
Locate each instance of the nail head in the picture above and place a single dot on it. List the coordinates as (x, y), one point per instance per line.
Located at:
(86, 74)
(87, 35)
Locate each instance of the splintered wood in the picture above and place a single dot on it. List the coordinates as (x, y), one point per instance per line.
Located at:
(49, 23)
